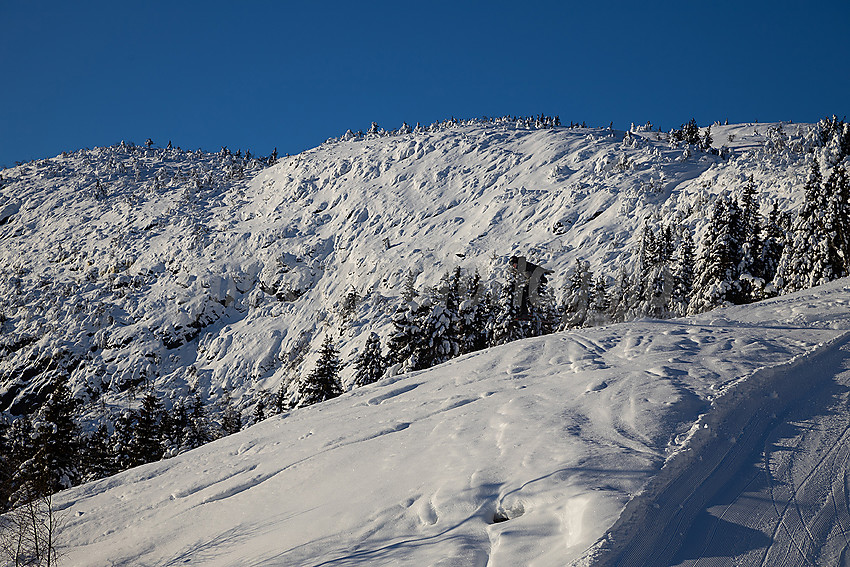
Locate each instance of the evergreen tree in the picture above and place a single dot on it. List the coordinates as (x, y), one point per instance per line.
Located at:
(322, 383)
(146, 444)
(622, 296)
(231, 419)
(474, 317)
(409, 292)
(683, 276)
(578, 298)
(198, 431)
(175, 423)
(5, 466)
(707, 140)
(506, 325)
(404, 339)
(658, 290)
(96, 458)
(57, 438)
(439, 342)
(121, 441)
(773, 243)
(836, 191)
(369, 365)
(260, 410)
(750, 268)
(717, 272)
(804, 258)
(600, 301)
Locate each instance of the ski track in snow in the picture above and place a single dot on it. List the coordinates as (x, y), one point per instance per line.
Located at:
(789, 504)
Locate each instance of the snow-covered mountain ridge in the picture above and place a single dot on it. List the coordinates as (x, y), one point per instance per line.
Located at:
(127, 265)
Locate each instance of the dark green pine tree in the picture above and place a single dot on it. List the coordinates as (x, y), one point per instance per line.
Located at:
(707, 140)
(623, 295)
(369, 365)
(322, 383)
(198, 431)
(96, 458)
(438, 338)
(260, 410)
(175, 423)
(146, 444)
(122, 439)
(579, 295)
(751, 272)
(601, 302)
(57, 438)
(475, 313)
(231, 419)
(6, 466)
(20, 447)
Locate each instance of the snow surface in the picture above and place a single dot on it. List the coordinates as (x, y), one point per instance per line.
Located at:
(596, 447)
(160, 267)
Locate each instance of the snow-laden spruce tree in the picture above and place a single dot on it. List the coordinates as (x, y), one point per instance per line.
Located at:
(476, 313)
(369, 365)
(579, 295)
(439, 342)
(716, 282)
(506, 324)
(322, 383)
(683, 276)
(773, 243)
(810, 256)
(403, 341)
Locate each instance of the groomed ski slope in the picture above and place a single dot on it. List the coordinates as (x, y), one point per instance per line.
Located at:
(581, 441)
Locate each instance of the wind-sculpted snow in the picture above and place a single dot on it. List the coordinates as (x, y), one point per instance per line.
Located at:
(546, 451)
(128, 266)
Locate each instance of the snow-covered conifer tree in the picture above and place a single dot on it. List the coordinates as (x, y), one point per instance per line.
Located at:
(773, 243)
(804, 258)
(506, 325)
(369, 366)
(717, 270)
(579, 294)
(322, 383)
(404, 339)
(683, 276)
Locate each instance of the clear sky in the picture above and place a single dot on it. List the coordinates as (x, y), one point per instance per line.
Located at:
(263, 74)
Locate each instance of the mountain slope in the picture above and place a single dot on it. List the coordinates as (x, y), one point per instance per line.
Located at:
(553, 435)
(128, 267)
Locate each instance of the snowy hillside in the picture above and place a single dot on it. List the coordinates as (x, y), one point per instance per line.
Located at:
(593, 446)
(131, 267)
(153, 300)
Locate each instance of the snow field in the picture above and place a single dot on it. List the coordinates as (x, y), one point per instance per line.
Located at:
(557, 434)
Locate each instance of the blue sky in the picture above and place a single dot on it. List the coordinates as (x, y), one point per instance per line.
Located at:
(263, 74)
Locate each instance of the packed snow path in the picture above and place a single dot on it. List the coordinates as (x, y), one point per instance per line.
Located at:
(789, 503)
